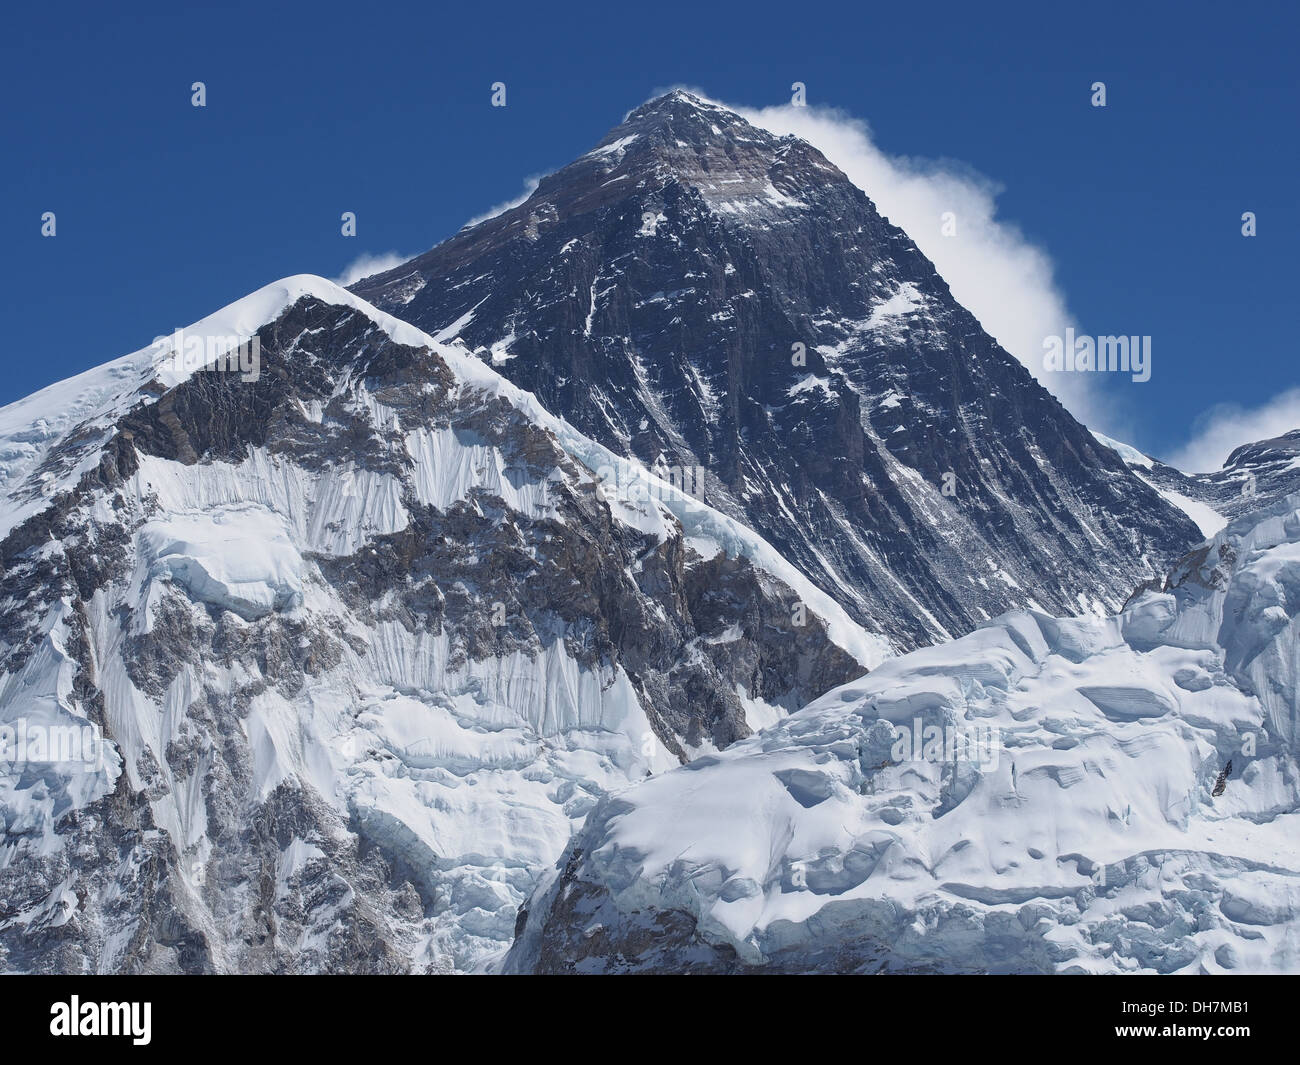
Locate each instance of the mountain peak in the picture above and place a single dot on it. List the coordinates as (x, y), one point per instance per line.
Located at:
(1286, 445)
(699, 288)
(742, 174)
(676, 103)
(681, 124)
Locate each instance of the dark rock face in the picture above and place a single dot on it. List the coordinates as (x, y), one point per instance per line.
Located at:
(699, 290)
(243, 818)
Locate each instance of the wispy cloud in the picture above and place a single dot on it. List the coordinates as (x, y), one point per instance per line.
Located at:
(993, 270)
(1217, 431)
(530, 186)
(367, 264)
(376, 263)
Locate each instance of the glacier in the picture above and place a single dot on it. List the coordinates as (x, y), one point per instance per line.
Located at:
(1092, 843)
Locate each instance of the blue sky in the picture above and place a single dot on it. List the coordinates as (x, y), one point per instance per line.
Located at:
(166, 212)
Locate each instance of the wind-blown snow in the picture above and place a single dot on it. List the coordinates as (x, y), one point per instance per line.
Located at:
(1131, 455)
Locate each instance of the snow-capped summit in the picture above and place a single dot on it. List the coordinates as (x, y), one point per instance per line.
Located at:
(340, 647)
(702, 290)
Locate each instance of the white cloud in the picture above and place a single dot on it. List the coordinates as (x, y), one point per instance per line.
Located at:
(1217, 431)
(530, 186)
(367, 264)
(993, 270)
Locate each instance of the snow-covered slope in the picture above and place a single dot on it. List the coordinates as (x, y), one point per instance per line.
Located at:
(1074, 822)
(1253, 475)
(347, 650)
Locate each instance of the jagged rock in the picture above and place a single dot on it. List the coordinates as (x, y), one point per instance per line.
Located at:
(356, 645)
(653, 293)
